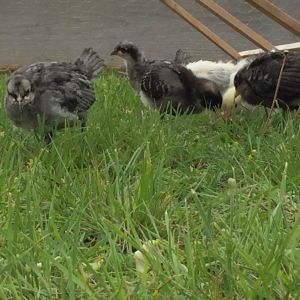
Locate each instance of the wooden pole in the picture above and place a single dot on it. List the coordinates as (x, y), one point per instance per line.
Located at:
(292, 47)
(277, 15)
(236, 24)
(179, 10)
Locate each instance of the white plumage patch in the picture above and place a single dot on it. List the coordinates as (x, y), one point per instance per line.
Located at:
(222, 73)
(218, 72)
(204, 67)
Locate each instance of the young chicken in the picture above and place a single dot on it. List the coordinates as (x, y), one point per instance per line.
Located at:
(52, 93)
(166, 85)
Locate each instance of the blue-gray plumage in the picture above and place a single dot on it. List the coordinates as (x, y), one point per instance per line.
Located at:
(53, 93)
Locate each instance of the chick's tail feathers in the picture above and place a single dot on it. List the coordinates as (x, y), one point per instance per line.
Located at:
(90, 63)
(182, 57)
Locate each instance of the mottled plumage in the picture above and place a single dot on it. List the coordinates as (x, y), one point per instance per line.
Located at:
(166, 85)
(52, 93)
(257, 82)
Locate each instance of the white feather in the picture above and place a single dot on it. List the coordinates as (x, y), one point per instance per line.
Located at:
(219, 72)
(222, 73)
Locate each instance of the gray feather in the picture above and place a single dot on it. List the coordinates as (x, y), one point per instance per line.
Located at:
(90, 63)
(59, 92)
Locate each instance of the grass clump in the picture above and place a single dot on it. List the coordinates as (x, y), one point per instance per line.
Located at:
(220, 205)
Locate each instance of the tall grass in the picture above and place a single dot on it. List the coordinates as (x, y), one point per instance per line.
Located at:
(221, 204)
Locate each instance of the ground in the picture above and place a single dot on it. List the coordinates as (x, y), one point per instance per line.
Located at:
(220, 205)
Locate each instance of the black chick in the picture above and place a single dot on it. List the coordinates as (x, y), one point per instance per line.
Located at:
(257, 82)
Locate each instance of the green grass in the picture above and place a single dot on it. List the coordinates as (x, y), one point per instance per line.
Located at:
(225, 217)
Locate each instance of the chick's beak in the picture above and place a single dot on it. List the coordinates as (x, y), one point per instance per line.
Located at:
(236, 94)
(19, 98)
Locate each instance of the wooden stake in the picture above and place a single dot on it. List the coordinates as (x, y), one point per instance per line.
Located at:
(180, 11)
(276, 91)
(274, 12)
(236, 24)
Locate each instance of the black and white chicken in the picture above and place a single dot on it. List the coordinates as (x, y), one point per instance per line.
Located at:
(222, 73)
(257, 82)
(167, 85)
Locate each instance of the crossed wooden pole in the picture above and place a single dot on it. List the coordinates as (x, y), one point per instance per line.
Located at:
(265, 6)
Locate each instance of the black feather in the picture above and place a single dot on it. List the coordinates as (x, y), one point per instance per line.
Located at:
(200, 91)
(170, 82)
(257, 82)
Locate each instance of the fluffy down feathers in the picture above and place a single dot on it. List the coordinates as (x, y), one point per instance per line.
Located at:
(222, 74)
(56, 92)
(72, 89)
(167, 83)
(217, 72)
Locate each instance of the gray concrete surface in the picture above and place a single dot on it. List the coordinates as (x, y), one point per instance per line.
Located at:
(35, 30)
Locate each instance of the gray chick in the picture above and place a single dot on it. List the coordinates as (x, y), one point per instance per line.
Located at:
(167, 85)
(53, 93)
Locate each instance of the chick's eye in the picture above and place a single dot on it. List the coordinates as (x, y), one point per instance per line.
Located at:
(26, 94)
(13, 95)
